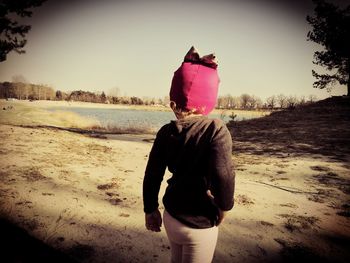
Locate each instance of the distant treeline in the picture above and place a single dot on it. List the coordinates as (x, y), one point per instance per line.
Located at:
(26, 91)
(251, 102)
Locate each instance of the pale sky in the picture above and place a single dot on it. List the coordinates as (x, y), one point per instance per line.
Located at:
(137, 45)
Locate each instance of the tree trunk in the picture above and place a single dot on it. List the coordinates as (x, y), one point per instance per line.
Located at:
(349, 85)
(348, 76)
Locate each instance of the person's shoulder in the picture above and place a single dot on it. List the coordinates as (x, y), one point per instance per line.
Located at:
(164, 129)
(219, 128)
(217, 123)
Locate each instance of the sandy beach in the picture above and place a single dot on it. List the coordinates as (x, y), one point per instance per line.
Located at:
(82, 195)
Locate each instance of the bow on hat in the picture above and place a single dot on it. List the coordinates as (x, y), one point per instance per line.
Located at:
(208, 60)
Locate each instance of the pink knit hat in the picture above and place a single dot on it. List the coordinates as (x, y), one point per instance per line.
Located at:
(195, 83)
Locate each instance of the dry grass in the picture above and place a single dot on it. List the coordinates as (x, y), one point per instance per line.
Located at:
(298, 222)
(113, 129)
(330, 179)
(107, 186)
(21, 114)
(32, 174)
(319, 128)
(243, 200)
(345, 210)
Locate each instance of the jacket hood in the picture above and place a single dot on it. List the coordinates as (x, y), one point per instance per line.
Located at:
(186, 123)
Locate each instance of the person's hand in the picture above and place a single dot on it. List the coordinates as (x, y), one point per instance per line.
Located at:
(210, 194)
(153, 221)
(221, 213)
(221, 216)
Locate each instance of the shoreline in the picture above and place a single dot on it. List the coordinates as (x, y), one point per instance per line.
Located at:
(79, 104)
(64, 114)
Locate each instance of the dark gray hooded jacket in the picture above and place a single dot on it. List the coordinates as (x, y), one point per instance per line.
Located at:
(198, 153)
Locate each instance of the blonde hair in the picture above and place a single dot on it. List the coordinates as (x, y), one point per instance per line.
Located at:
(183, 113)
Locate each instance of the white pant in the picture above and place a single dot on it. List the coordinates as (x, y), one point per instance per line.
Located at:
(189, 245)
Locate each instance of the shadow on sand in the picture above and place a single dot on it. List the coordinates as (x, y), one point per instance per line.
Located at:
(18, 246)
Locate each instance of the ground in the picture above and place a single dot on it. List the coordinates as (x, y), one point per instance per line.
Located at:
(78, 196)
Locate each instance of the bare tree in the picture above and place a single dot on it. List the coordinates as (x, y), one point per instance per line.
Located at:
(114, 92)
(312, 98)
(252, 102)
(19, 78)
(230, 102)
(103, 97)
(292, 101)
(301, 100)
(20, 86)
(259, 103)
(223, 102)
(245, 100)
(220, 102)
(166, 100)
(271, 102)
(281, 100)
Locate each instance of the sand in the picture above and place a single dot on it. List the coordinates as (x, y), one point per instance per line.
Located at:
(82, 196)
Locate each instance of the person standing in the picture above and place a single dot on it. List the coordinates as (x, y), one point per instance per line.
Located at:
(197, 150)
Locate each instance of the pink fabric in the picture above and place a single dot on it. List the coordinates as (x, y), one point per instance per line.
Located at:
(195, 84)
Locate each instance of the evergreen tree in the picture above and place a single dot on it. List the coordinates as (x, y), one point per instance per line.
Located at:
(331, 29)
(11, 32)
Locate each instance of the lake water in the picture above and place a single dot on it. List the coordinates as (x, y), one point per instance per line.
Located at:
(125, 118)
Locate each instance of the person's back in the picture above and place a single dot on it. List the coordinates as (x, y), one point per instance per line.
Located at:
(197, 151)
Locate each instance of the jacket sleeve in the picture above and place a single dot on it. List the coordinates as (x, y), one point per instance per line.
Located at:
(154, 173)
(223, 174)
